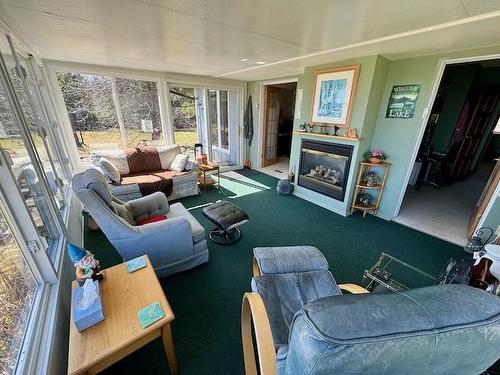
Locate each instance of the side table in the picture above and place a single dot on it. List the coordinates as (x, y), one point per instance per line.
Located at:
(204, 178)
(123, 294)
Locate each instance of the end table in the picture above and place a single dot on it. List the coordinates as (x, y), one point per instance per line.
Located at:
(204, 171)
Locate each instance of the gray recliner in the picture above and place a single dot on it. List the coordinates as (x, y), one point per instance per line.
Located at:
(173, 245)
(303, 324)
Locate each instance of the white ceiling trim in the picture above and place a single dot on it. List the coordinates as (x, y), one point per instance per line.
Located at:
(304, 58)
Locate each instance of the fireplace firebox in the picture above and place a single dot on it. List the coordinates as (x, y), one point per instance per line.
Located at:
(324, 168)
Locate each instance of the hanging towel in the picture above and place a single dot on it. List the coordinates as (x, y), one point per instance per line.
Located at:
(248, 122)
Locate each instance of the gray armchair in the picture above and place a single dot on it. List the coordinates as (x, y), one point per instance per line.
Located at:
(173, 245)
(303, 324)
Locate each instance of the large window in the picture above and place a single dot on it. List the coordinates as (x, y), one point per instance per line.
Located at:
(183, 102)
(33, 171)
(32, 177)
(17, 293)
(110, 113)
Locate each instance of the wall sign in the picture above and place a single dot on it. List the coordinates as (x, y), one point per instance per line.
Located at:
(402, 101)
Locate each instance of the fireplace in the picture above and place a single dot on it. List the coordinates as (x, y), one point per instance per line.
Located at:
(324, 168)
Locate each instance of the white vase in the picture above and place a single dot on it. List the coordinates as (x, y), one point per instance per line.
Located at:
(492, 253)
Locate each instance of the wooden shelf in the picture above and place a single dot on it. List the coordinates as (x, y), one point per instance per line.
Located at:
(374, 164)
(339, 137)
(365, 186)
(360, 186)
(365, 208)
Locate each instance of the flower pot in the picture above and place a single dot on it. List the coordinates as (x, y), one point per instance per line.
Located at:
(375, 160)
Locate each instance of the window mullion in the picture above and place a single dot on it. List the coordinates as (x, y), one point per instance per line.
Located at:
(44, 99)
(219, 125)
(166, 113)
(119, 114)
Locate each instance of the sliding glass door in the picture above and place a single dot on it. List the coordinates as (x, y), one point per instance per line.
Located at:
(223, 120)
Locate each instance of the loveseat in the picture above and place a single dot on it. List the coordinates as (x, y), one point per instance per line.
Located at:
(145, 170)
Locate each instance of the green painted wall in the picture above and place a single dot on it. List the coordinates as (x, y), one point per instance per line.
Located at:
(398, 137)
(371, 83)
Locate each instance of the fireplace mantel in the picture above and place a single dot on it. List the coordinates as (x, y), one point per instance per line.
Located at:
(339, 137)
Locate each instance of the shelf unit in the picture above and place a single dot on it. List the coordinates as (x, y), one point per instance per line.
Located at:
(361, 187)
(339, 137)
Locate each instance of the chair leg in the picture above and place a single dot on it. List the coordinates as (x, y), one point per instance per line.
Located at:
(253, 310)
(222, 237)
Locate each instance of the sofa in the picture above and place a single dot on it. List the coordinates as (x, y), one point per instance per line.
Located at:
(145, 170)
(175, 243)
(305, 323)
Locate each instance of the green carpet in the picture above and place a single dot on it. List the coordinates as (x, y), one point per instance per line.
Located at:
(206, 300)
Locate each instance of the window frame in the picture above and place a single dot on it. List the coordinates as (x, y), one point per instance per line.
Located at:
(46, 271)
(53, 67)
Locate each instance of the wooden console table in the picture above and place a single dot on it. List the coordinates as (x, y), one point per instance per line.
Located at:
(123, 294)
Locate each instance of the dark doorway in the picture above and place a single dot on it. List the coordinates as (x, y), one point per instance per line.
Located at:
(458, 153)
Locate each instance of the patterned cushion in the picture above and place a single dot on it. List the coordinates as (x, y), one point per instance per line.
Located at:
(108, 170)
(179, 163)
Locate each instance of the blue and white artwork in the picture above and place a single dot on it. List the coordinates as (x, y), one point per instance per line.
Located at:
(332, 98)
(334, 91)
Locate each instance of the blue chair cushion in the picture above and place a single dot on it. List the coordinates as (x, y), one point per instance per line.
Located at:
(286, 259)
(445, 329)
(285, 294)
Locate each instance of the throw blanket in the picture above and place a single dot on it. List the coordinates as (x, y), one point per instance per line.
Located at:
(152, 182)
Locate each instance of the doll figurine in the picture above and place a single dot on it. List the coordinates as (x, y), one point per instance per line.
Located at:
(85, 264)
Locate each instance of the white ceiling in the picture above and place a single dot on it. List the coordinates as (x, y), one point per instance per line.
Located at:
(211, 37)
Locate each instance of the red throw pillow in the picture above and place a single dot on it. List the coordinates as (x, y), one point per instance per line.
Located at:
(152, 219)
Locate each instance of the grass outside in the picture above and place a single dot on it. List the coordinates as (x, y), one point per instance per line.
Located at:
(99, 140)
(17, 291)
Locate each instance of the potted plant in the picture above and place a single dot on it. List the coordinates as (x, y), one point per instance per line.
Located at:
(375, 156)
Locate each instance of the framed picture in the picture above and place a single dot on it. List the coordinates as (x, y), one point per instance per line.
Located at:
(402, 101)
(333, 95)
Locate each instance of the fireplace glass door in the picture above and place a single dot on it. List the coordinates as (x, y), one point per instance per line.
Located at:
(324, 168)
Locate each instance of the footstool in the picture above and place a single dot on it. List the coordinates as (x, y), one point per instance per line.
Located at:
(227, 218)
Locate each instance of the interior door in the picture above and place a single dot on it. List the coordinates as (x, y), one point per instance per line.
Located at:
(484, 199)
(271, 118)
(481, 117)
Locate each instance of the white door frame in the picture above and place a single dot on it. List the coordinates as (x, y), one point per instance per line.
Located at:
(426, 113)
(260, 108)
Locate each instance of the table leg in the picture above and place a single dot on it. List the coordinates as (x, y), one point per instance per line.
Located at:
(168, 344)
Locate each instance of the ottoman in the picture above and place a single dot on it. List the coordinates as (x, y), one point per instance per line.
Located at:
(227, 217)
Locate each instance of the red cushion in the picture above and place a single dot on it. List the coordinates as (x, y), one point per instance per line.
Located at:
(152, 219)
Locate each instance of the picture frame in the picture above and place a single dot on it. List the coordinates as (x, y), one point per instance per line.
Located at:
(334, 91)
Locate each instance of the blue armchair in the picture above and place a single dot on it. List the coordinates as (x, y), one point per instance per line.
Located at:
(303, 324)
(173, 245)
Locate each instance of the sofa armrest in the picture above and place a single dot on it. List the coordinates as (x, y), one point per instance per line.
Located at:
(149, 206)
(253, 314)
(165, 242)
(353, 288)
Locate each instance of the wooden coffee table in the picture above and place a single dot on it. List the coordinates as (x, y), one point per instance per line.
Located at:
(123, 294)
